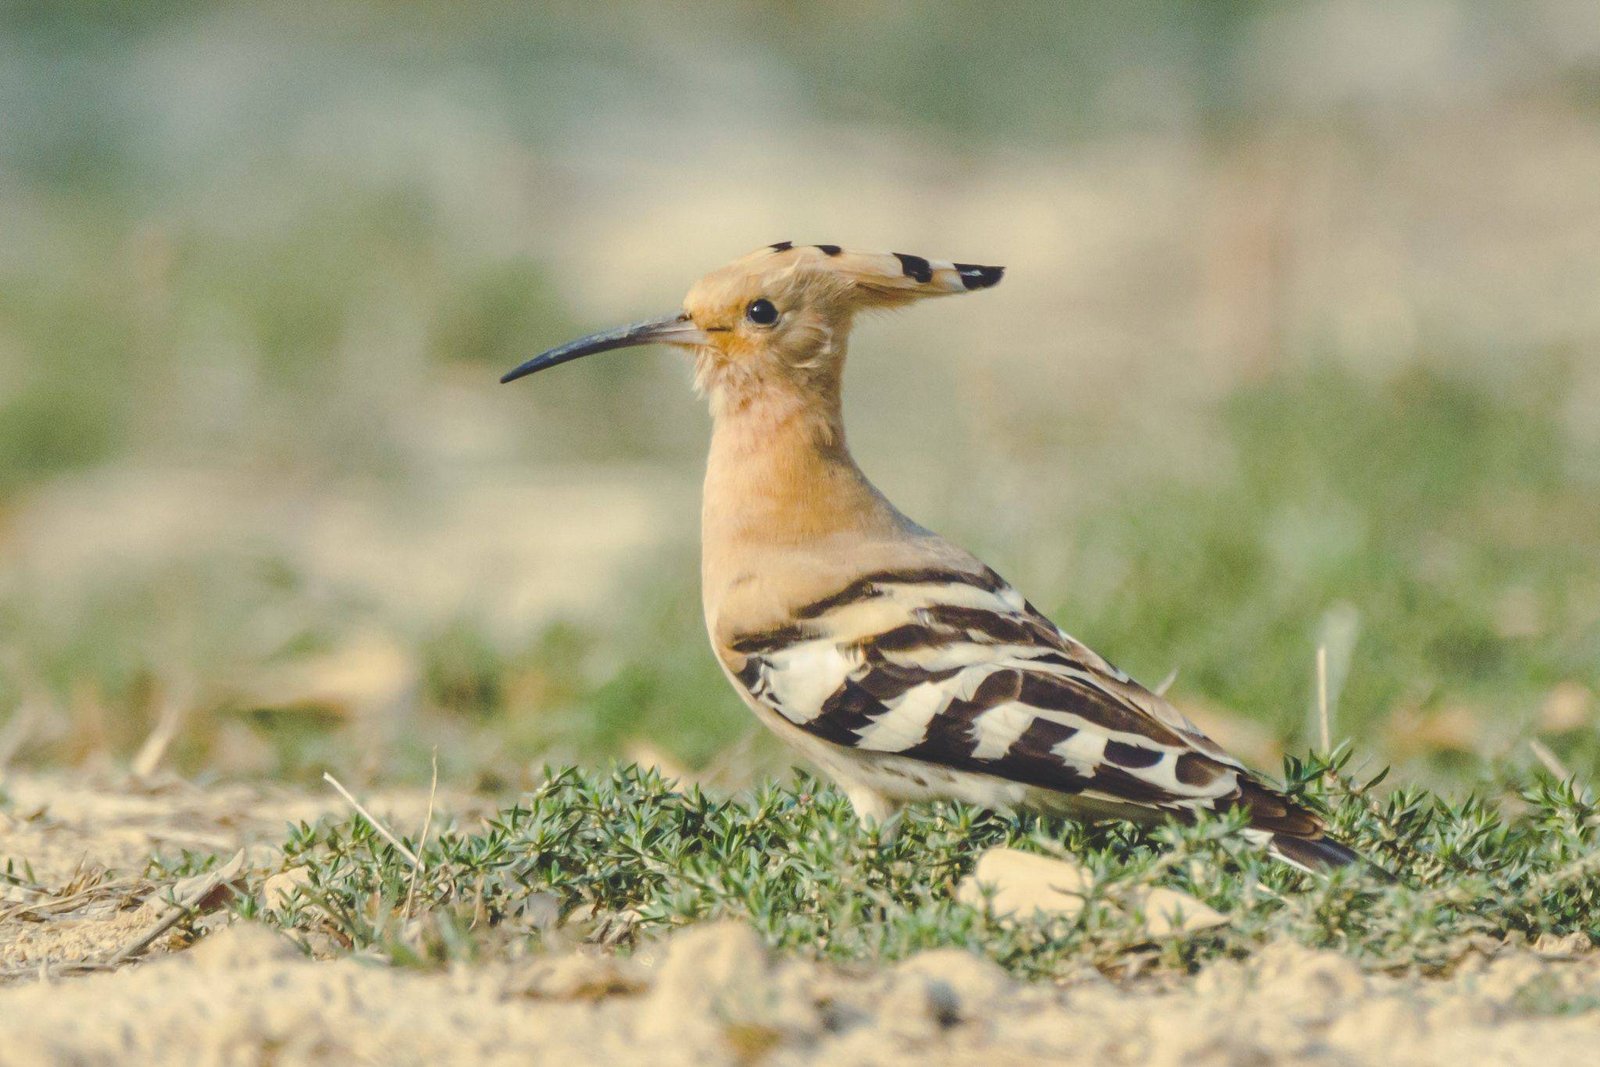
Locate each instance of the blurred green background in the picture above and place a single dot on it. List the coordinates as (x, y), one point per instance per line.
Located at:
(1299, 346)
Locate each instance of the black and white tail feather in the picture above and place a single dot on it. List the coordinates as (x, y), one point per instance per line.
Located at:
(944, 681)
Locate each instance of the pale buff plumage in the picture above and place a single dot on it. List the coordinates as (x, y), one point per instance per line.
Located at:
(894, 660)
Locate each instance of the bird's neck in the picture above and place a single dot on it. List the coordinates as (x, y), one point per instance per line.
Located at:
(780, 479)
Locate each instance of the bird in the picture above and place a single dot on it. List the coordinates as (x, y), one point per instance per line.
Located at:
(895, 661)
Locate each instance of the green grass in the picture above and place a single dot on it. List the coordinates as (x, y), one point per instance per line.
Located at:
(621, 857)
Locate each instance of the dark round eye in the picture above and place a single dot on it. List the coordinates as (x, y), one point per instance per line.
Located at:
(761, 312)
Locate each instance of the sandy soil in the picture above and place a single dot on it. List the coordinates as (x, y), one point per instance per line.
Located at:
(76, 894)
(710, 994)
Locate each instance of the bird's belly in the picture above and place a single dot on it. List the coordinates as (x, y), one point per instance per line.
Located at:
(903, 780)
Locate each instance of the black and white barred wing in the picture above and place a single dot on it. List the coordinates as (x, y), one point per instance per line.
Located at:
(956, 669)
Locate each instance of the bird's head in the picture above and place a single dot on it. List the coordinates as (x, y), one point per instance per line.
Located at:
(779, 317)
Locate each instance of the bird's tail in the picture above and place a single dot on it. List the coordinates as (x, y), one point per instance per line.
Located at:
(1319, 855)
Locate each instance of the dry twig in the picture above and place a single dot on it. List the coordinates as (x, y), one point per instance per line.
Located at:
(383, 831)
(195, 891)
(427, 824)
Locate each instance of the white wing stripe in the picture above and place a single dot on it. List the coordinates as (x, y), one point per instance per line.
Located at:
(804, 676)
(996, 730)
(906, 721)
(1084, 750)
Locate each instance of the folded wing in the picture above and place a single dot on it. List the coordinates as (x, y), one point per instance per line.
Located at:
(954, 668)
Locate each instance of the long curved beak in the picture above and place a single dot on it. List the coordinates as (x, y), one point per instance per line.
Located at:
(668, 330)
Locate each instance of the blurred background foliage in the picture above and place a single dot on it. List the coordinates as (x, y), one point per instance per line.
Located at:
(1299, 347)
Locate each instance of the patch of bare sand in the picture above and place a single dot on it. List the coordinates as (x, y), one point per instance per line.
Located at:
(712, 995)
(78, 849)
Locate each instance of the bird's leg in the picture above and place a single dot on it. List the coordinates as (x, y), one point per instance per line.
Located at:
(875, 811)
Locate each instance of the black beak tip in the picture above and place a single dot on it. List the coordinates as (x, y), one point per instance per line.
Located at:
(517, 372)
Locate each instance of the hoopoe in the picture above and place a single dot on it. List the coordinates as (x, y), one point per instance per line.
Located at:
(895, 661)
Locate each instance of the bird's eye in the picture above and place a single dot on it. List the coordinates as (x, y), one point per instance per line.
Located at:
(761, 312)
